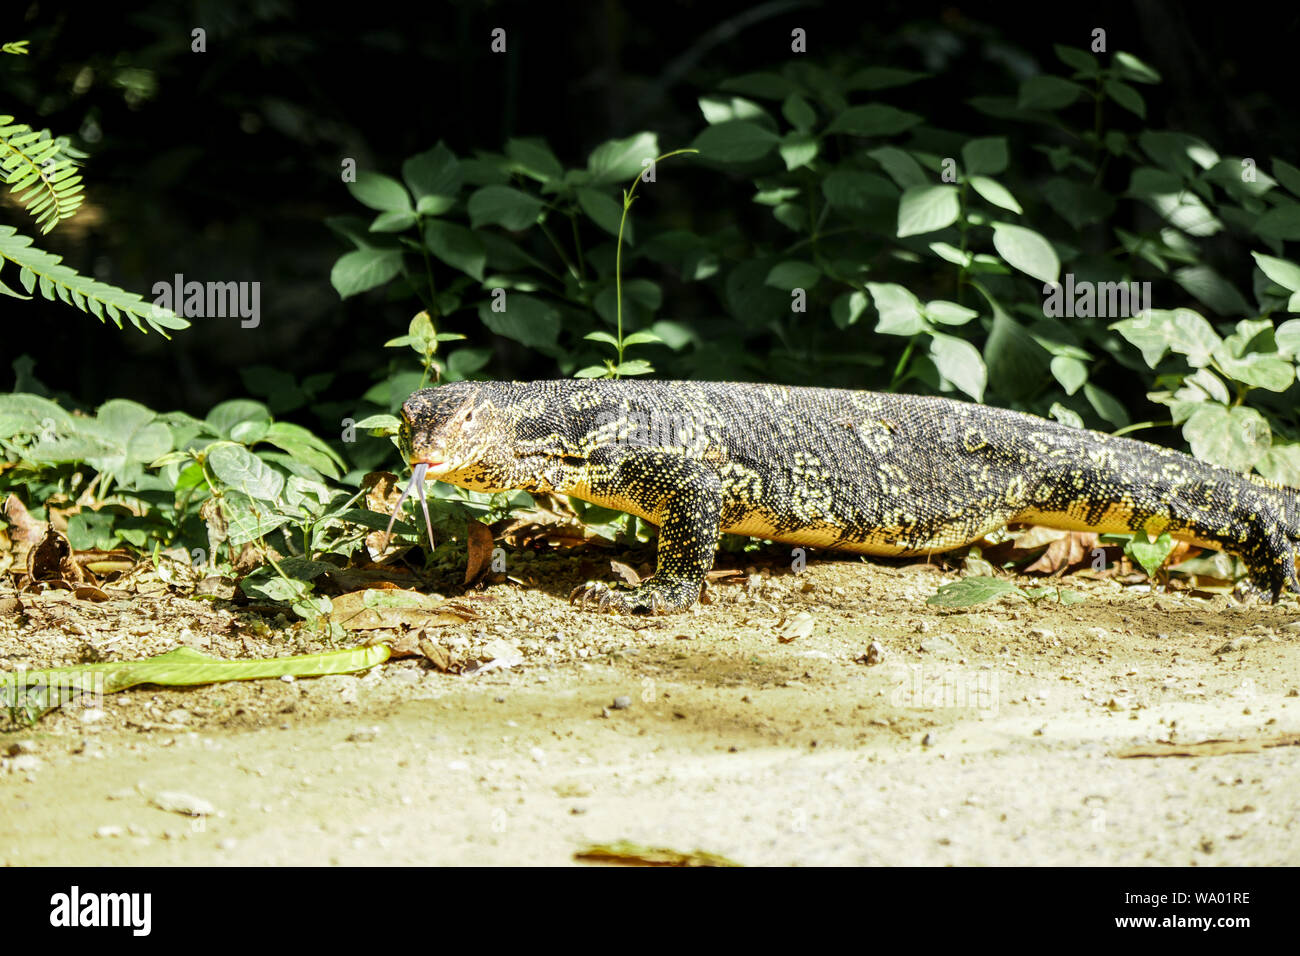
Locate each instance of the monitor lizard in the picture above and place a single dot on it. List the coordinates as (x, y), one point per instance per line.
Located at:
(858, 471)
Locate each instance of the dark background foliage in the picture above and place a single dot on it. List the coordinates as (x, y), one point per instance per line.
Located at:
(224, 165)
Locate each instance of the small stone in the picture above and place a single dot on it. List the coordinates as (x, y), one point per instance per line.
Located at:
(108, 832)
(176, 801)
(21, 747)
(622, 702)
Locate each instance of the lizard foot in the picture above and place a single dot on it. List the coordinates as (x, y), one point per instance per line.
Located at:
(650, 598)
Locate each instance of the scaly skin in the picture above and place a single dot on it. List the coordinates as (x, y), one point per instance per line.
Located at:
(864, 472)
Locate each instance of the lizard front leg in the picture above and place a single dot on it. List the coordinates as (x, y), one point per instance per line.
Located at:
(684, 497)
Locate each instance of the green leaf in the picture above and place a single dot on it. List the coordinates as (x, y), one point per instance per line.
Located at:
(1131, 68)
(901, 167)
(848, 308)
(798, 113)
(1282, 271)
(736, 141)
(1150, 332)
(858, 192)
(435, 172)
(1191, 335)
(1027, 251)
(526, 319)
(1078, 203)
(457, 246)
(1287, 336)
(182, 667)
(995, 193)
(364, 269)
(634, 367)
(223, 418)
(1047, 93)
(1105, 405)
(380, 192)
(1235, 438)
(1287, 174)
(798, 149)
(618, 160)
(243, 471)
(533, 158)
(722, 109)
(1080, 60)
(960, 363)
(1281, 463)
(972, 590)
(503, 206)
(1282, 222)
(1070, 372)
(948, 313)
(603, 211)
(1212, 289)
(1126, 96)
(793, 275)
(642, 338)
(986, 156)
(305, 447)
(900, 311)
(1150, 554)
(393, 221)
(927, 209)
(882, 78)
(874, 119)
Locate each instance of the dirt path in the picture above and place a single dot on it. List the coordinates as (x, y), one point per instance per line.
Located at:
(985, 736)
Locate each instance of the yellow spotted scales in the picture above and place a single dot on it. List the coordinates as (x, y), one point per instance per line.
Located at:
(864, 472)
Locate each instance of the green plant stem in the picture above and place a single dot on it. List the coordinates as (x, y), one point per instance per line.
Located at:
(1139, 425)
(629, 194)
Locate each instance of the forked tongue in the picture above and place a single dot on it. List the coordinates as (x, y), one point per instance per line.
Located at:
(416, 484)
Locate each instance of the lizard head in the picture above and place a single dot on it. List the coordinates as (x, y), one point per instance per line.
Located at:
(459, 434)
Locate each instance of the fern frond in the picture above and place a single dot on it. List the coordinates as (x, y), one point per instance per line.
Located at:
(89, 295)
(16, 46)
(43, 166)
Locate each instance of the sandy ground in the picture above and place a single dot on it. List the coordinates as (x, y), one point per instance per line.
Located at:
(984, 736)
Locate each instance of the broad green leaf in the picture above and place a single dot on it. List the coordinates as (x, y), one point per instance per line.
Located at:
(1027, 251)
(985, 157)
(972, 590)
(900, 311)
(995, 193)
(380, 192)
(927, 209)
(364, 269)
(618, 160)
(40, 691)
(1281, 463)
(1047, 93)
(856, 191)
(526, 319)
(736, 141)
(534, 159)
(1282, 271)
(948, 313)
(874, 119)
(798, 113)
(1150, 554)
(435, 172)
(604, 211)
(960, 363)
(1235, 438)
(1070, 372)
(1126, 96)
(240, 469)
(901, 167)
(793, 275)
(798, 149)
(1133, 69)
(503, 206)
(457, 246)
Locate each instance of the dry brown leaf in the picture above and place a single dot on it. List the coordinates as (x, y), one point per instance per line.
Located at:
(384, 608)
(728, 576)
(26, 530)
(1210, 748)
(88, 592)
(1035, 536)
(1073, 547)
(479, 545)
(627, 853)
(50, 560)
(626, 572)
(791, 629)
